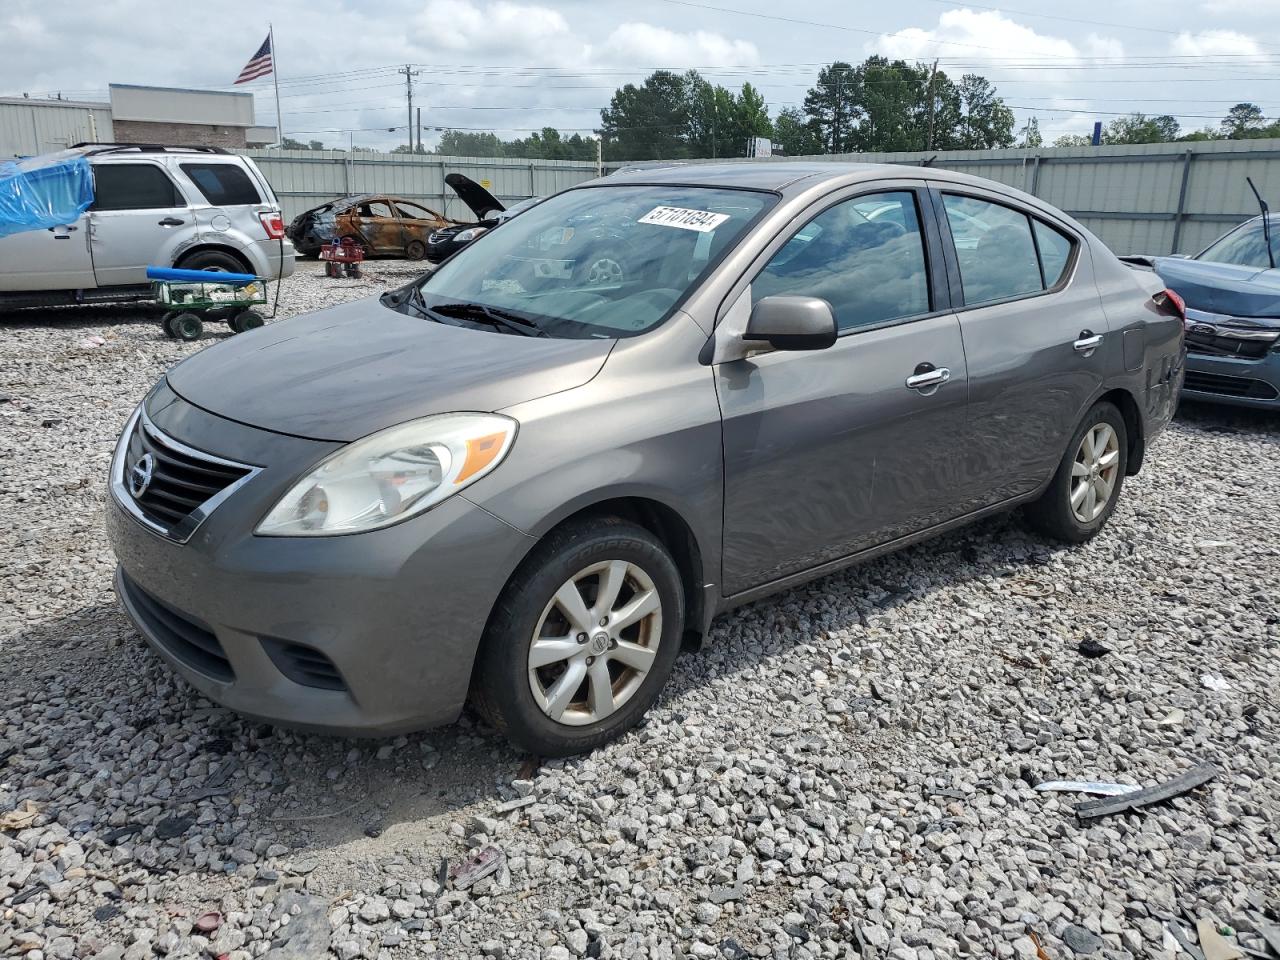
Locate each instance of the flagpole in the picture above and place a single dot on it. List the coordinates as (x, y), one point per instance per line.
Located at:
(275, 78)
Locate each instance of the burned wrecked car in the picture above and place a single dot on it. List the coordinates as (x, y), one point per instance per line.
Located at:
(489, 212)
(384, 225)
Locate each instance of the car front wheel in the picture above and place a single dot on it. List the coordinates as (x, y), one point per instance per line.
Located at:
(582, 640)
(1086, 487)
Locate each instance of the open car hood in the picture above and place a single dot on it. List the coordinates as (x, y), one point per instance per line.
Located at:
(1225, 288)
(480, 201)
(344, 373)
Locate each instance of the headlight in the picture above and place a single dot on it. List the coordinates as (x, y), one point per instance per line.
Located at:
(466, 236)
(392, 475)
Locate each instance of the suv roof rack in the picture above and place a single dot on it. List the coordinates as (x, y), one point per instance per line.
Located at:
(92, 148)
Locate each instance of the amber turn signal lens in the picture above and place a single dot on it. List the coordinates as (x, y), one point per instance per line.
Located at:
(480, 453)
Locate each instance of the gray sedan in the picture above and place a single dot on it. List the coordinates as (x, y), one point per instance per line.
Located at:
(532, 477)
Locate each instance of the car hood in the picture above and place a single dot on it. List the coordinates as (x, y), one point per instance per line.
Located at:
(344, 373)
(481, 202)
(1224, 288)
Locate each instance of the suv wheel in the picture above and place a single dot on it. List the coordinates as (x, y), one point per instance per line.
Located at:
(216, 260)
(582, 640)
(1084, 491)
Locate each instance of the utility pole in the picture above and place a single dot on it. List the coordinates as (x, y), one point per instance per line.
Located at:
(932, 73)
(409, 74)
(419, 150)
(600, 155)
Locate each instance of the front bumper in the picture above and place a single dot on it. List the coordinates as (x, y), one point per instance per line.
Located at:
(1234, 380)
(367, 634)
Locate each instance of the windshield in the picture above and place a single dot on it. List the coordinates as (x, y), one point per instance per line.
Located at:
(1245, 246)
(597, 262)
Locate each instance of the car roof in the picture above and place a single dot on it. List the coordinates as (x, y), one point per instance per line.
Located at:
(774, 175)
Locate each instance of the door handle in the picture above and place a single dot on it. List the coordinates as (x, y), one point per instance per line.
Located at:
(1087, 342)
(171, 222)
(928, 379)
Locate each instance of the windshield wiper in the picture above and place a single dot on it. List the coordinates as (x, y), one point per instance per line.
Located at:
(496, 316)
(1266, 218)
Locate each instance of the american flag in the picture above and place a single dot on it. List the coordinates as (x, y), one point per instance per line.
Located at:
(259, 64)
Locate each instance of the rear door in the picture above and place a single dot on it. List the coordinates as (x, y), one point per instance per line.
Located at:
(1034, 335)
(829, 452)
(138, 217)
(418, 223)
(53, 259)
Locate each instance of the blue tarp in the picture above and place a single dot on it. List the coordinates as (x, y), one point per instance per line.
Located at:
(42, 192)
(200, 276)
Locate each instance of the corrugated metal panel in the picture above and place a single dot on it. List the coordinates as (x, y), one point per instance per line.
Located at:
(306, 178)
(1128, 195)
(28, 127)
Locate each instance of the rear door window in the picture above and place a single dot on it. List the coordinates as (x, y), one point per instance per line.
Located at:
(998, 255)
(378, 208)
(223, 184)
(133, 186)
(411, 211)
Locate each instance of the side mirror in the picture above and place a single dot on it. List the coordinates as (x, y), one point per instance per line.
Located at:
(792, 323)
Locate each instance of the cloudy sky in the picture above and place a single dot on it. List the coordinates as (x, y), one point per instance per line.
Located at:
(512, 66)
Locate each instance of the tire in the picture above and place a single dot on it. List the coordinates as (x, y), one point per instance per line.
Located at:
(215, 260)
(187, 326)
(503, 682)
(1054, 513)
(166, 324)
(245, 320)
(415, 250)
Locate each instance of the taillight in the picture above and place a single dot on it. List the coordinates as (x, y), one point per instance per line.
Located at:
(273, 223)
(1168, 302)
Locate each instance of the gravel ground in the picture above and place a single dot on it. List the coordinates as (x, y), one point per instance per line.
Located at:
(844, 770)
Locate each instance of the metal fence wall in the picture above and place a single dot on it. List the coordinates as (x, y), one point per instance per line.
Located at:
(307, 178)
(1155, 198)
(1148, 198)
(28, 127)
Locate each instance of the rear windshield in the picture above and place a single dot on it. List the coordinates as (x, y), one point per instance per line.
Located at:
(223, 184)
(601, 261)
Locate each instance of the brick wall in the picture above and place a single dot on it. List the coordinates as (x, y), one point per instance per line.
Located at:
(179, 134)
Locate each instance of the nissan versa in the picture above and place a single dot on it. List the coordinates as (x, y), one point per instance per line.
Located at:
(530, 477)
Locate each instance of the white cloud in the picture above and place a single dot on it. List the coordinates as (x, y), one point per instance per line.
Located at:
(1217, 43)
(643, 44)
(459, 25)
(973, 34)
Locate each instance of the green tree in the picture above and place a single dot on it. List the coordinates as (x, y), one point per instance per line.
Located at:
(751, 117)
(1073, 140)
(711, 113)
(794, 133)
(648, 122)
(986, 121)
(1242, 121)
(1031, 134)
(549, 144)
(1139, 128)
(469, 143)
(892, 105)
(831, 108)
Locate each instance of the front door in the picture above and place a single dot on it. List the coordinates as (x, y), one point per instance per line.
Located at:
(380, 228)
(1034, 335)
(830, 452)
(52, 259)
(137, 210)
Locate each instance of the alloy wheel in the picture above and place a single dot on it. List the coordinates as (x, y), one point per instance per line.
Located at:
(1094, 472)
(595, 642)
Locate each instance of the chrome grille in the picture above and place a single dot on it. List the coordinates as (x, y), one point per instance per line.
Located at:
(167, 485)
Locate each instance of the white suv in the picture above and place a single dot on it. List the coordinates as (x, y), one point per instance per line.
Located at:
(198, 208)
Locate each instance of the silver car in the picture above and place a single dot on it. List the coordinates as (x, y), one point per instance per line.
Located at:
(535, 475)
(198, 208)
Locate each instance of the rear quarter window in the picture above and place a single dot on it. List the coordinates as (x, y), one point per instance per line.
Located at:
(1055, 251)
(222, 184)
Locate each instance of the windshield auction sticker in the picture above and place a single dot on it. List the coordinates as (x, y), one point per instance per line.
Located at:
(703, 221)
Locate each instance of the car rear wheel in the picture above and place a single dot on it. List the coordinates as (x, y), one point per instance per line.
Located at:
(1086, 487)
(415, 250)
(217, 261)
(582, 640)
